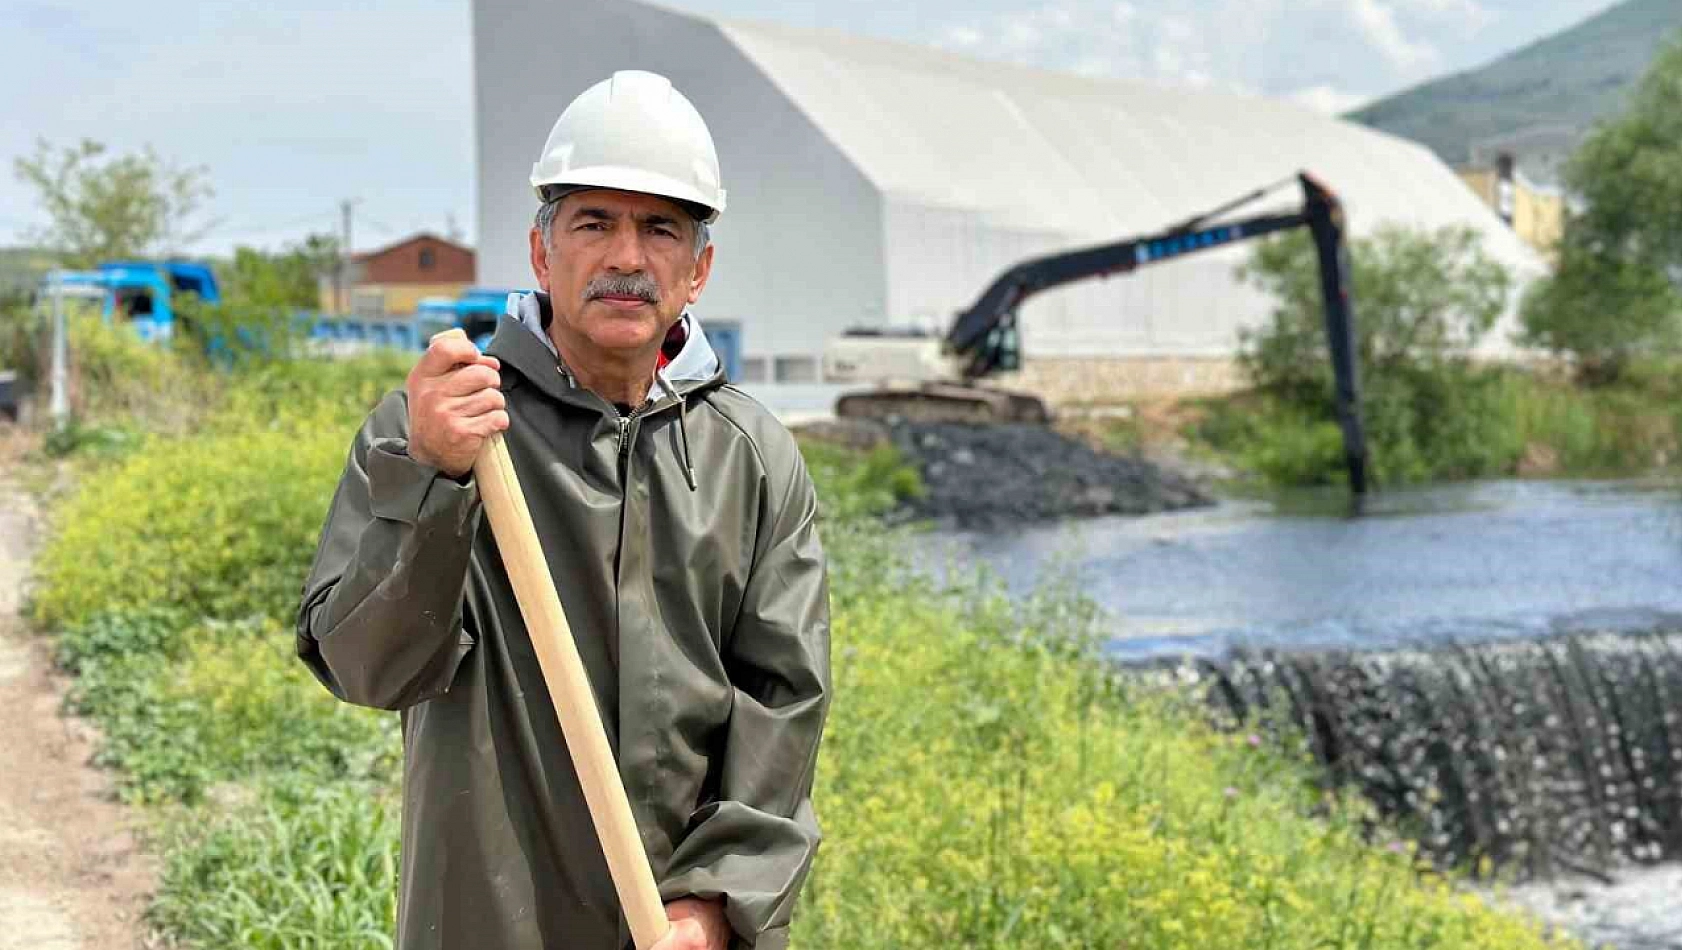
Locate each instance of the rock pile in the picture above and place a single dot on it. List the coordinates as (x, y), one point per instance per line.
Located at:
(995, 476)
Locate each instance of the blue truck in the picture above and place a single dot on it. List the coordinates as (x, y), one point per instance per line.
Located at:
(476, 312)
(145, 294)
(141, 293)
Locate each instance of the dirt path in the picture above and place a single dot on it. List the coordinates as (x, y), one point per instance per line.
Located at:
(71, 875)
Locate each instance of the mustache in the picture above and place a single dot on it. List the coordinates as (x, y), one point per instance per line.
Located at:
(637, 284)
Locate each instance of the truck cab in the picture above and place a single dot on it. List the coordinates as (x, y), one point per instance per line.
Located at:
(476, 312)
(141, 293)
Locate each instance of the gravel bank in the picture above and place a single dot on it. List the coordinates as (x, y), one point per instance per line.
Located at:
(999, 475)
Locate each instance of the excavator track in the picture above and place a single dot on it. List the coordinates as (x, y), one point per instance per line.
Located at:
(944, 402)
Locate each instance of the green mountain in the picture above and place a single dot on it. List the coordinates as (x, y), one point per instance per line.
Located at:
(1539, 100)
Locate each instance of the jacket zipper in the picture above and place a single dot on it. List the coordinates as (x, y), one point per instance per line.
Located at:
(624, 421)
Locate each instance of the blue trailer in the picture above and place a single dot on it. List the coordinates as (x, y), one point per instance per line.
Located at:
(146, 295)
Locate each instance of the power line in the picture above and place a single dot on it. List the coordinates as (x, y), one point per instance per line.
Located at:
(380, 226)
(271, 228)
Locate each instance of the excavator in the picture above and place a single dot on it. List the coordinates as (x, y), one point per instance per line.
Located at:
(984, 339)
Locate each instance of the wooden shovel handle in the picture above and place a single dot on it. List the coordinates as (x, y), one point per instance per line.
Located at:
(569, 689)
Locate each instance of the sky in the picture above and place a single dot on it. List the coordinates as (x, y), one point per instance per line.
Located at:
(292, 106)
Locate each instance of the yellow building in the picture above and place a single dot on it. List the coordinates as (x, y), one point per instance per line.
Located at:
(1536, 215)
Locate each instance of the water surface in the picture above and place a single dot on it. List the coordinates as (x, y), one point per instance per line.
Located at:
(1470, 562)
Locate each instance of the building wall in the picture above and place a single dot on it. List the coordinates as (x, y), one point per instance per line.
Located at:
(983, 164)
(940, 260)
(419, 260)
(876, 184)
(371, 300)
(1538, 216)
(799, 248)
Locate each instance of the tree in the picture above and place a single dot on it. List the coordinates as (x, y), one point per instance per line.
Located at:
(262, 291)
(1602, 308)
(106, 207)
(1615, 294)
(1421, 299)
(291, 278)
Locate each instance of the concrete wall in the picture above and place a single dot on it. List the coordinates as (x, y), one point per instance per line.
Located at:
(800, 245)
(1105, 380)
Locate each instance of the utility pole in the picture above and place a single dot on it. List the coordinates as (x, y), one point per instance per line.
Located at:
(341, 284)
(59, 407)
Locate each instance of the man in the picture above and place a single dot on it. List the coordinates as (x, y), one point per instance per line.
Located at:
(678, 521)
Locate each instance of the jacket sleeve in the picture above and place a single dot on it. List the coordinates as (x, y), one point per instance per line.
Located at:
(754, 845)
(380, 623)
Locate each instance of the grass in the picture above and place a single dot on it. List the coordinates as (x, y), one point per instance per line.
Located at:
(984, 783)
(1490, 423)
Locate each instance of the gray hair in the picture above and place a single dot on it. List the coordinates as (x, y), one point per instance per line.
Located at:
(545, 224)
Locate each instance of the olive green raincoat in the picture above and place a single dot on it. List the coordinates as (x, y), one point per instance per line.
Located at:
(683, 544)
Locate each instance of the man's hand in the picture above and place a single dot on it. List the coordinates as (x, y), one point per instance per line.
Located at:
(696, 925)
(454, 403)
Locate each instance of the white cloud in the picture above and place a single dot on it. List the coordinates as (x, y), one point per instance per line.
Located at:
(1465, 13)
(1377, 22)
(1113, 38)
(962, 37)
(1325, 53)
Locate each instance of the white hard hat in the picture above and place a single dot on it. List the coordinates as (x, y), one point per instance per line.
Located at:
(632, 132)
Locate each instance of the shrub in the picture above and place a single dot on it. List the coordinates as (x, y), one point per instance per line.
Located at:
(1615, 292)
(317, 396)
(981, 785)
(1422, 300)
(853, 485)
(121, 379)
(221, 526)
(303, 867)
(1276, 440)
(184, 708)
(98, 442)
(1602, 309)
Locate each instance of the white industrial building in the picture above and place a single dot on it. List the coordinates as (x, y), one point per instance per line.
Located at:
(879, 184)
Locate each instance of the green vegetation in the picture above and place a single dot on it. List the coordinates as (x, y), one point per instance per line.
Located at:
(1510, 422)
(1615, 297)
(1424, 300)
(984, 782)
(102, 207)
(1567, 81)
(1612, 314)
(289, 278)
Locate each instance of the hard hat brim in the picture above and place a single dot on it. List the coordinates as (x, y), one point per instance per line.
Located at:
(618, 178)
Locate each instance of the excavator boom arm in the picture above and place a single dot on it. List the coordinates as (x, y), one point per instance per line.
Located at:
(984, 335)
